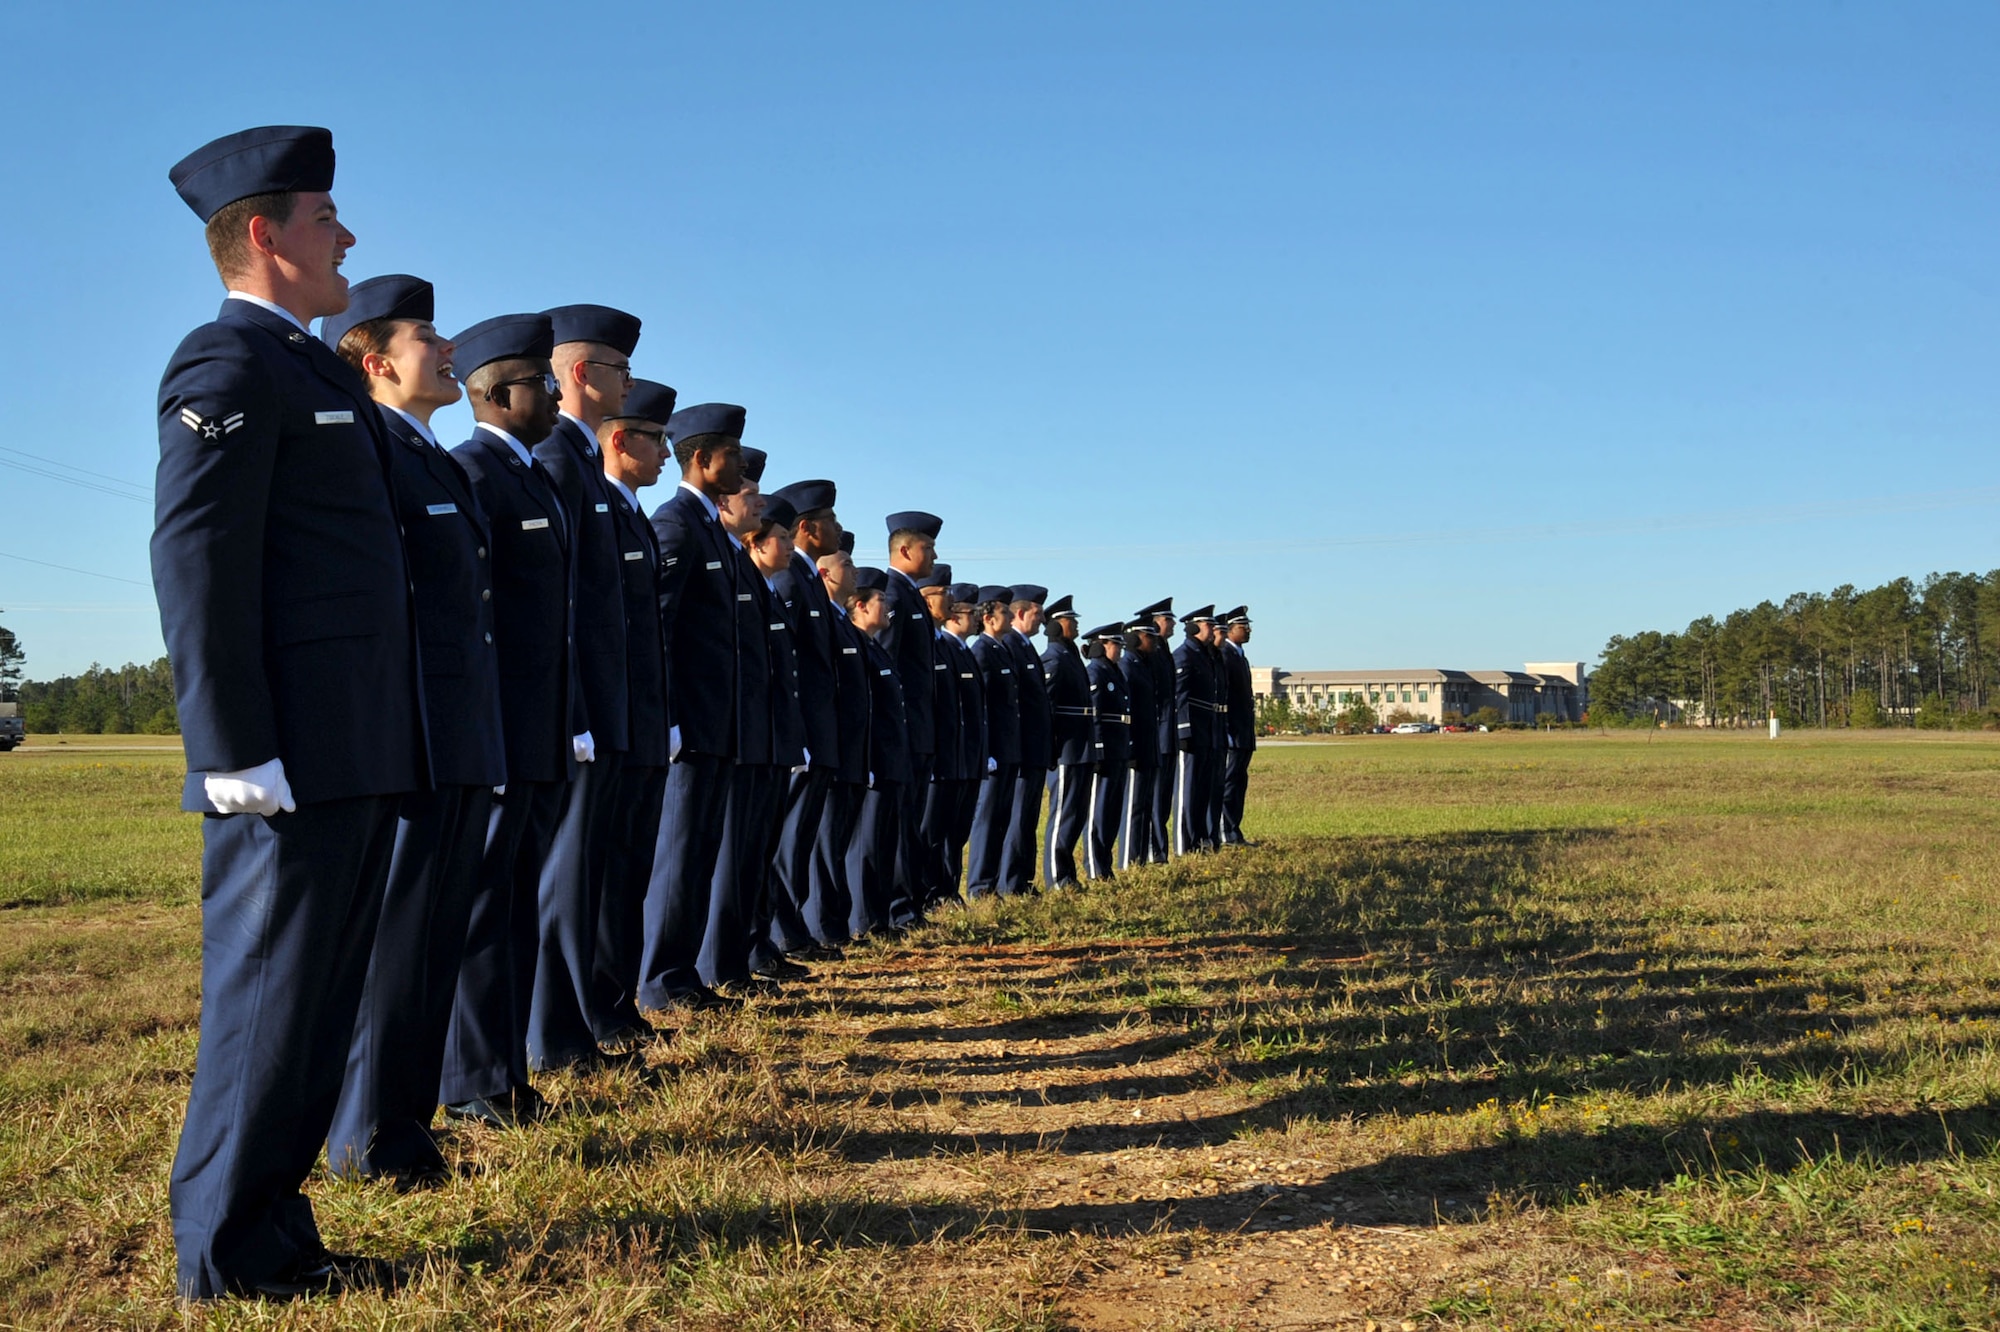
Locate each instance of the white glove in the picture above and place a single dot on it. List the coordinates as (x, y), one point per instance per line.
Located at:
(585, 747)
(992, 764)
(673, 742)
(259, 790)
(500, 789)
(805, 762)
(871, 781)
(801, 768)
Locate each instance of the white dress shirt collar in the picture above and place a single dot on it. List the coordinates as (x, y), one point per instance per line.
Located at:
(527, 458)
(706, 502)
(589, 435)
(418, 426)
(626, 491)
(273, 307)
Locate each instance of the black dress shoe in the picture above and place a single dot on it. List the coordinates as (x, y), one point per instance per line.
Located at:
(761, 987)
(782, 970)
(700, 999)
(631, 1040)
(820, 953)
(523, 1105)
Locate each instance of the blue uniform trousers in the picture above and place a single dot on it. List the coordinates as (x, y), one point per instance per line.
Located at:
(621, 916)
(1166, 796)
(742, 870)
(690, 842)
(1193, 779)
(1135, 838)
(289, 906)
(948, 809)
(568, 899)
(965, 804)
(486, 1047)
(871, 858)
(1069, 811)
(913, 862)
(992, 816)
(829, 900)
(792, 863)
(1235, 785)
(1212, 820)
(1107, 815)
(382, 1125)
(1017, 855)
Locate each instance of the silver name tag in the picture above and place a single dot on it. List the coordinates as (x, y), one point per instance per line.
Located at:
(604, 508)
(743, 596)
(333, 418)
(635, 554)
(533, 524)
(850, 651)
(713, 564)
(438, 510)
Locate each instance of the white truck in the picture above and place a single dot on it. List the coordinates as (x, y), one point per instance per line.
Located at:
(12, 731)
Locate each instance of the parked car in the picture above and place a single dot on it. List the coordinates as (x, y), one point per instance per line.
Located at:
(1414, 728)
(12, 732)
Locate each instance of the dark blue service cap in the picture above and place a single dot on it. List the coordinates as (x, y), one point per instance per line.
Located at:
(391, 296)
(915, 520)
(1240, 615)
(966, 592)
(1028, 592)
(868, 579)
(780, 511)
(707, 418)
(595, 323)
(502, 338)
(847, 543)
(939, 576)
(649, 400)
(1060, 606)
(806, 496)
(1142, 625)
(272, 159)
(1107, 631)
(994, 592)
(1201, 613)
(1161, 607)
(753, 463)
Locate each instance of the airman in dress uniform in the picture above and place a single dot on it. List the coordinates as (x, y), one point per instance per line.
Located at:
(1161, 663)
(1194, 724)
(909, 636)
(1017, 862)
(830, 899)
(286, 604)
(1241, 724)
(382, 1127)
(872, 857)
(1070, 744)
(993, 811)
(1135, 839)
(1111, 742)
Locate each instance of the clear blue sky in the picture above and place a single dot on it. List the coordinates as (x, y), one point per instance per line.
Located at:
(1442, 335)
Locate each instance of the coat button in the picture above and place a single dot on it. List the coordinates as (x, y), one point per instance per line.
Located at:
(489, 636)
(482, 552)
(486, 594)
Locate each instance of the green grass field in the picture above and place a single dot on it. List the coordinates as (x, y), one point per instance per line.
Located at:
(1500, 1031)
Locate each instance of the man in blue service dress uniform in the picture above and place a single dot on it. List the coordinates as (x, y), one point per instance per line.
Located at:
(1135, 838)
(592, 364)
(815, 532)
(973, 751)
(1069, 744)
(1017, 859)
(1111, 733)
(699, 573)
(505, 365)
(634, 447)
(872, 855)
(1242, 724)
(1194, 725)
(1161, 662)
(993, 811)
(909, 636)
(776, 926)
(286, 606)
(830, 899)
(382, 1126)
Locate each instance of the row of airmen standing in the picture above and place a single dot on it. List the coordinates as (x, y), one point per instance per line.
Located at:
(493, 763)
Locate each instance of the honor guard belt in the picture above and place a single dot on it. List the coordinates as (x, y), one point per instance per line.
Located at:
(1074, 712)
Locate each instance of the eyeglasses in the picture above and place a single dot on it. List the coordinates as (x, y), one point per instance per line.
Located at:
(624, 368)
(659, 435)
(545, 379)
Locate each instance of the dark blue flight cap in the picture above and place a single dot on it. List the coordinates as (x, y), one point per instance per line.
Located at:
(994, 592)
(753, 464)
(847, 543)
(273, 159)
(501, 338)
(1060, 606)
(965, 592)
(913, 520)
(1028, 592)
(867, 579)
(807, 496)
(939, 576)
(649, 401)
(1162, 607)
(391, 296)
(780, 511)
(707, 418)
(595, 323)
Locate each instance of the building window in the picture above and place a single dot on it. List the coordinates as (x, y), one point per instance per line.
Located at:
(1423, 696)
(1406, 695)
(1374, 696)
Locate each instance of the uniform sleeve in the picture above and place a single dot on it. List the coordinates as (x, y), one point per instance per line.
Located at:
(560, 464)
(219, 429)
(679, 552)
(1183, 703)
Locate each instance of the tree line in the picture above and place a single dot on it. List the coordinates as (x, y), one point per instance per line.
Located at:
(119, 700)
(1908, 653)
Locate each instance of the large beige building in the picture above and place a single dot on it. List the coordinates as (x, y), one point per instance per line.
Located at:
(1559, 688)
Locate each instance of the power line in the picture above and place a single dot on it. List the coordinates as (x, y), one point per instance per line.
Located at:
(103, 485)
(88, 573)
